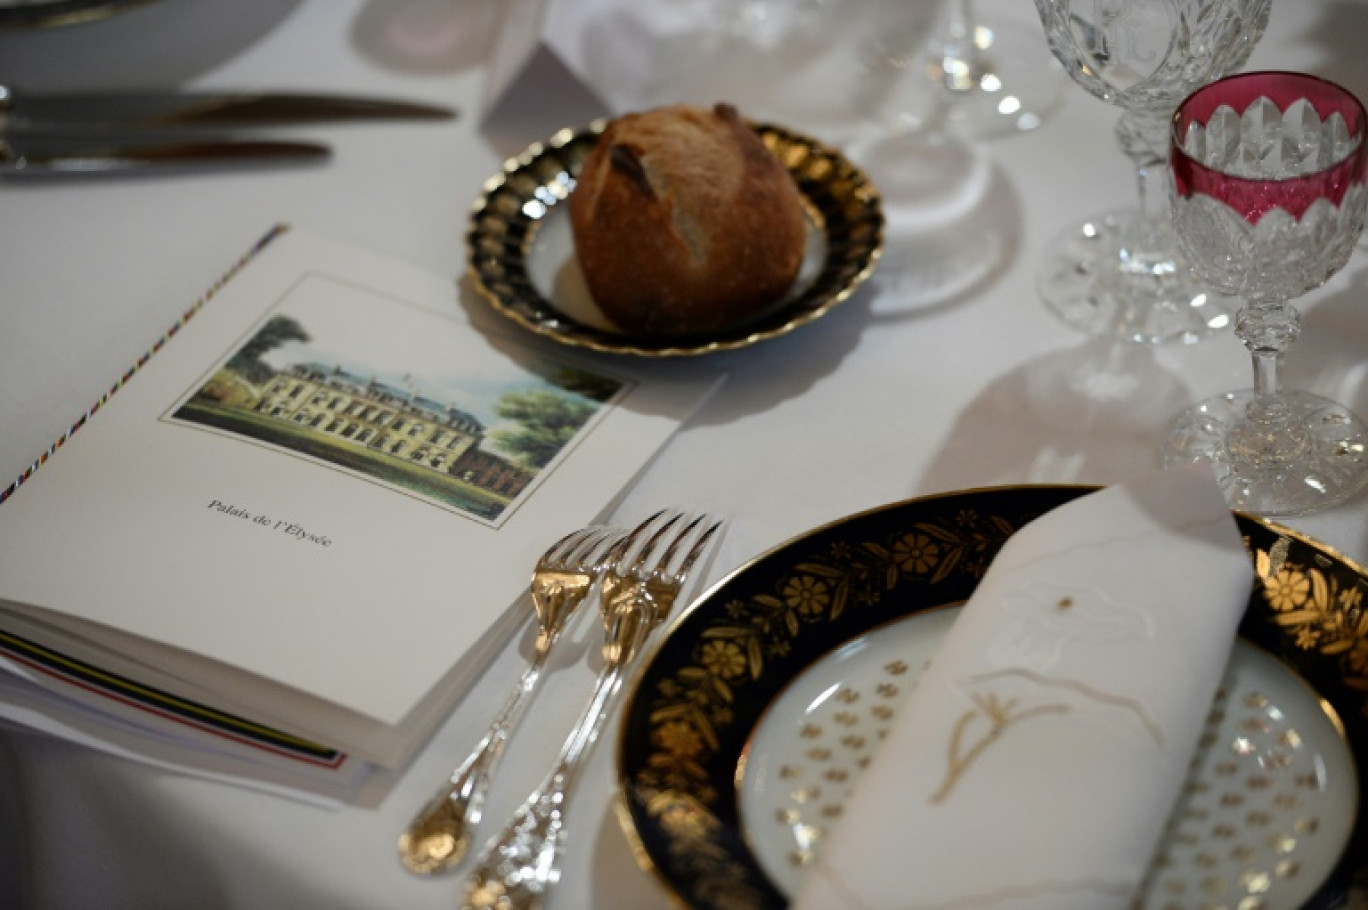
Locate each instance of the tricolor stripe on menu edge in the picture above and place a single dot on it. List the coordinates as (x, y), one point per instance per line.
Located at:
(270, 235)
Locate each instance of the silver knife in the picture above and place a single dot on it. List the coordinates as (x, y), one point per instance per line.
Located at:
(37, 156)
(110, 112)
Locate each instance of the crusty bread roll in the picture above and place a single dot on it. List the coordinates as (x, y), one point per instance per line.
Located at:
(685, 223)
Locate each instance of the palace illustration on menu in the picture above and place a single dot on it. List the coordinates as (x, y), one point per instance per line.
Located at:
(276, 390)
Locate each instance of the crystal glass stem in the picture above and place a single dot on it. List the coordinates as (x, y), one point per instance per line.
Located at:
(1149, 244)
(1120, 274)
(1270, 437)
(960, 59)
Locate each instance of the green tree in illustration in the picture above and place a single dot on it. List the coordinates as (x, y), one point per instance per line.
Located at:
(277, 331)
(589, 385)
(547, 421)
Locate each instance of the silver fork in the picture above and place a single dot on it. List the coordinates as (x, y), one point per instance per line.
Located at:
(518, 868)
(440, 833)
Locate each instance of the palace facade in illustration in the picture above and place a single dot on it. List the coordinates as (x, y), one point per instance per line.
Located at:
(396, 422)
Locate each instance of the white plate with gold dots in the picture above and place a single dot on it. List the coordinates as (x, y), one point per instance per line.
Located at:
(1262, 821)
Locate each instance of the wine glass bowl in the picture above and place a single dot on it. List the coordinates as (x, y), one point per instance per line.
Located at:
(958, 74)
(1118, 274)
(1269, 201)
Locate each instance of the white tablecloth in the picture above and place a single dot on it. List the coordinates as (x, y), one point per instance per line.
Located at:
(931, 378)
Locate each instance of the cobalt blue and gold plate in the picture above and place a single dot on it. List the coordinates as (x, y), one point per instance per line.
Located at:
(756, 712)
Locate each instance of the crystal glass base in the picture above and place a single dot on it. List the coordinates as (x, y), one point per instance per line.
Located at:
(1013, 86)
(1332, 469)
(1091, 282)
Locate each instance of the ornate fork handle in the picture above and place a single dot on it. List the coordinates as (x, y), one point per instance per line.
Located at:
(437, 838)
(445, 824)
(518, 867)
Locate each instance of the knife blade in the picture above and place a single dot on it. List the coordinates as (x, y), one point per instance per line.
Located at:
(37, 156)
(95, 112)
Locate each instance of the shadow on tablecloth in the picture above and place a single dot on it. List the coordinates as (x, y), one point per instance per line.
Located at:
(1094, 413)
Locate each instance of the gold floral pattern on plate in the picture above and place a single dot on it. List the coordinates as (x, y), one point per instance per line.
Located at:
(521, 254)
(696, 704)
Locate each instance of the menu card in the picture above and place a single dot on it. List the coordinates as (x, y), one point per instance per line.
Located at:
(298, 530)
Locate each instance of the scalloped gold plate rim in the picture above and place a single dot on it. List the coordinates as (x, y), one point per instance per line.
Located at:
(515, 203)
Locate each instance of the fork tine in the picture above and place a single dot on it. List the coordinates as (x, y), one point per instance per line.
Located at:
(556, 553)
(594, 554)
(696, 551)
(588, 543)
(642, 559)
(676, 543)
(618, 555)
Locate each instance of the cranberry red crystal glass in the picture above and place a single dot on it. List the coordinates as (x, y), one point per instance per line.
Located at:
(1268, 203)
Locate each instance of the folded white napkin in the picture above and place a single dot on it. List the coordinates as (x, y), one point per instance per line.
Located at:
(1035, 763)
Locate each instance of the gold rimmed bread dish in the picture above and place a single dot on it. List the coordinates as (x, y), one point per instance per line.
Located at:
(521, 253)
(757, 711)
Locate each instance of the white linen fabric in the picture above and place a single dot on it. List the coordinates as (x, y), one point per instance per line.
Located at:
(944, 372)
(1035, 762)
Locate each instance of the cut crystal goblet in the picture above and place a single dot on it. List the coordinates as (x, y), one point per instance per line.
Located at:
(1269, 202)
(1117, 274)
